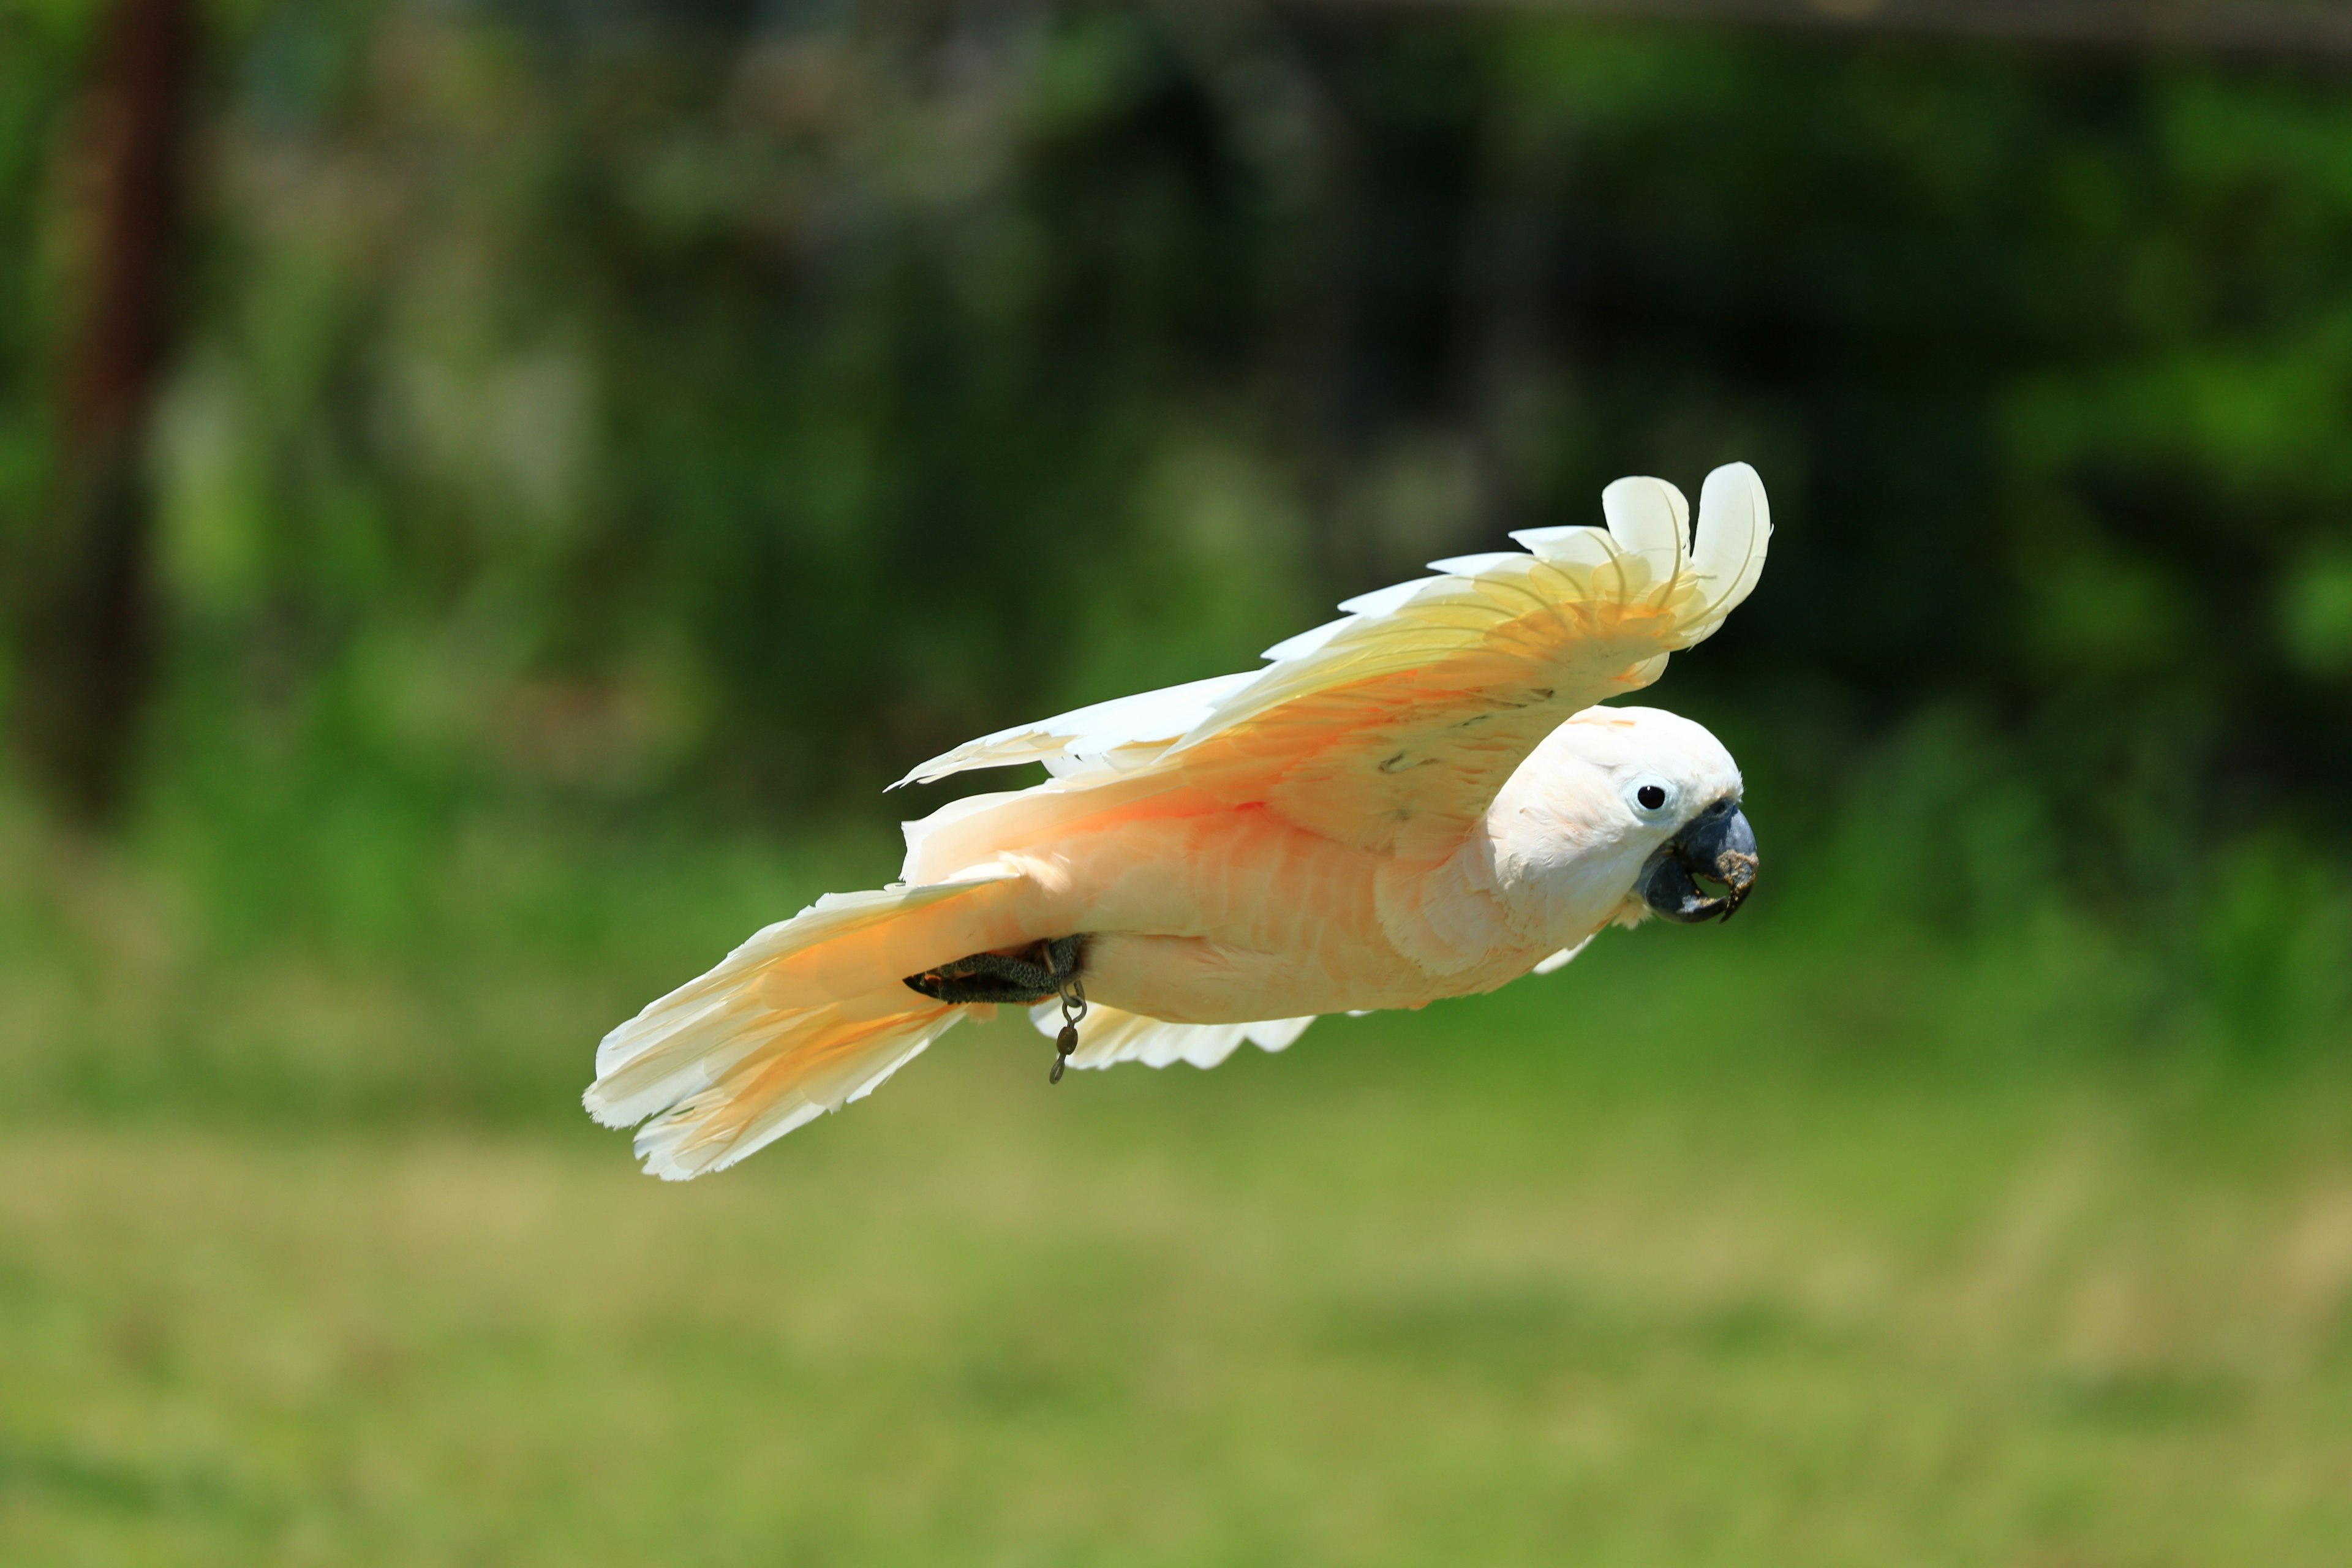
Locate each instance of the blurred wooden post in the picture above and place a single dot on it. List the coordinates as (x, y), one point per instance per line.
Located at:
(86, 606)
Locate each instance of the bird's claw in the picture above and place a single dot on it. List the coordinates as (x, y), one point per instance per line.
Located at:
(1719, 845)
(1736, 872)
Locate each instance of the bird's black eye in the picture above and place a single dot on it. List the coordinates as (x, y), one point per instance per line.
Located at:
(1651, 796)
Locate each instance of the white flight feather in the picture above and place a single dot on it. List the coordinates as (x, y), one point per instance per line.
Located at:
(1306, 642)
(1646, 554)
(1108, 1035)
(1561, 959)
(1087, 733)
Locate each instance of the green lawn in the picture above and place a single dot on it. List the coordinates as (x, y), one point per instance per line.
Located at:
(1525, 1281)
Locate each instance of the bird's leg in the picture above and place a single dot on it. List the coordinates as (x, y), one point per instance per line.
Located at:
(986, 977)
(1038, 972)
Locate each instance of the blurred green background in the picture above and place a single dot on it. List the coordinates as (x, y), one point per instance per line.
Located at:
(578, 453)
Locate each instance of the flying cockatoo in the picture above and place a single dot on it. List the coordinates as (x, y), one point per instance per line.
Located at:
(1420, 799)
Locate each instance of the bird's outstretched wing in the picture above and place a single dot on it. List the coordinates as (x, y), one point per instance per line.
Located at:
(1392, 728)
(1123, 733)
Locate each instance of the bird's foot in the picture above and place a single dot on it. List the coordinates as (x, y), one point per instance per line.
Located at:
(1036, 972)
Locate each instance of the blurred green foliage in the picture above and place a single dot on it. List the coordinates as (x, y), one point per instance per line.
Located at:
(680, 418)
(610, 440)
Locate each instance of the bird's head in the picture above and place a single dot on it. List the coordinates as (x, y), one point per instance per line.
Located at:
(1638, 805)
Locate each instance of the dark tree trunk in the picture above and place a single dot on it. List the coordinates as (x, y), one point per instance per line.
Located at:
(85, 621)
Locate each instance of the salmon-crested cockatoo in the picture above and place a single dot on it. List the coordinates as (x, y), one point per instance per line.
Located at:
(1420, 799)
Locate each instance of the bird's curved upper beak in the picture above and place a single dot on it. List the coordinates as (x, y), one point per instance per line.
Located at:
(1717, 844)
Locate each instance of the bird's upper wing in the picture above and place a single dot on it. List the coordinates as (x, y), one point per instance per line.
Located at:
(1124, 733)
(1392, 728)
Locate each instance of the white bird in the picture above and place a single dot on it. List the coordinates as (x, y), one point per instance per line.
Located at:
(1422, 799)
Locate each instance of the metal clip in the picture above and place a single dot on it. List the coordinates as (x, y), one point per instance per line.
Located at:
(1074, 1007)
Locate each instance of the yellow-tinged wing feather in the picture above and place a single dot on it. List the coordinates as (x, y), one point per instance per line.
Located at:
(1395, 730)
(1392, 728)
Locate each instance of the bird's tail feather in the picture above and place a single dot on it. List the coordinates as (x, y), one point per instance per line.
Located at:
(806, 1016)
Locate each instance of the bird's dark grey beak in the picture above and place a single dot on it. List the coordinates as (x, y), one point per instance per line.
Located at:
(1717, 844)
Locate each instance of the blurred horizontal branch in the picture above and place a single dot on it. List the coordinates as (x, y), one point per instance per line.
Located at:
(2310, 30)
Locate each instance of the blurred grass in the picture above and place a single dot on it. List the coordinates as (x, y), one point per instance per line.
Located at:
(1808, 1239)
(1384, 1301)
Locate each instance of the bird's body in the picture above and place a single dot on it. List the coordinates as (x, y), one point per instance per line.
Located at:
(1204, 912)
(1419, 801)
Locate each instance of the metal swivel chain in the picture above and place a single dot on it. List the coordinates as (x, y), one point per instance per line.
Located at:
(1074, 1007)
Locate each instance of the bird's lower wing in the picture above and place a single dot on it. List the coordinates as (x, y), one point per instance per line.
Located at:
(1107, 1035)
